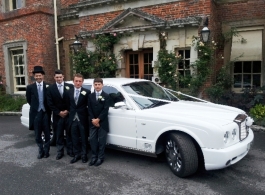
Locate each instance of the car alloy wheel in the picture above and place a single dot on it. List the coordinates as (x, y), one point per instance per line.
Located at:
(181, 154)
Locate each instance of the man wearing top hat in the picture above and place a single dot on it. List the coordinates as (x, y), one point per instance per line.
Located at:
(39, 113)
(57, 101)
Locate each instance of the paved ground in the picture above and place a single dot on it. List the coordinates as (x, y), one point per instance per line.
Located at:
(122, 173)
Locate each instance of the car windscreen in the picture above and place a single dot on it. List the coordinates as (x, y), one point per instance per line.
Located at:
(146, 103)
(149, 89)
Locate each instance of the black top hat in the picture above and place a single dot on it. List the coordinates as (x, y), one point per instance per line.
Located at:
(38, 69)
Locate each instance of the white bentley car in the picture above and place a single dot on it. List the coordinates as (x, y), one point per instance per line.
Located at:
(148, 119)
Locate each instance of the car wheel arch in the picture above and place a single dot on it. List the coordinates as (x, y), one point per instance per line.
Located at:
(160, 145)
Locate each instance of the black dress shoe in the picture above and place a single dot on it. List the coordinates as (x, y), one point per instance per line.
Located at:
(40, 155)
(84, 159)
(46, 155)
(99, 162)
(92, 162)
(71, 154)
(59, 156)
(75, 159)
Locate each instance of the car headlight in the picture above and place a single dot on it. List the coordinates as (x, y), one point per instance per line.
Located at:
(234, 134)
(226, 136)
(249, 121)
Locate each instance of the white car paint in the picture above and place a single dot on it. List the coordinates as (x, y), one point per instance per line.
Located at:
(139, 129)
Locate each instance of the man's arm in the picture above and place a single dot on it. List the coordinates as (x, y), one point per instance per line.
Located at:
(104, 113)
(51, 105)
(28, 94)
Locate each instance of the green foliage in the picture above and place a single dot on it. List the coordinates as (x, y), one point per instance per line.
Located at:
(167, 68)
(11, 103)
(203, 65)
(101, 62)
(258, 114)
(2, 87)
(168, 62)
(222, 85)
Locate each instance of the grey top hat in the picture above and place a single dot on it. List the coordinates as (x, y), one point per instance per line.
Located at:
(38, 69)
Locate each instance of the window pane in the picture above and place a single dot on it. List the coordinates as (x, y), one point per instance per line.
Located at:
(146, 71)
(19, 4)
(135, 58)
(132, 69)
(247, 67)
(247, 80)
(238, 81)
(20, 59)
(181, 66)
(14, 3)
(257, 80)
(238, 67)
(131, 59)
(187, 54)
(257, 67)
(181, 52)
(136, 69)
(15, 60)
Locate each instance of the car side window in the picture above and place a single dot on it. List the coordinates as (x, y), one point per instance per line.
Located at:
(114, 94)
(86, 86)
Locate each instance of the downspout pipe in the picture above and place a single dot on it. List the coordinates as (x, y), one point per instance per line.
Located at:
(56, 35)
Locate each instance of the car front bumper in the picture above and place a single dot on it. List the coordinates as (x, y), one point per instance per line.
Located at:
(221, 158)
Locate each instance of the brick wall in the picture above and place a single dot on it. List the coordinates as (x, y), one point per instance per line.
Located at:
(66, 3)
(38, 31)
(180, 9)
(242, 10)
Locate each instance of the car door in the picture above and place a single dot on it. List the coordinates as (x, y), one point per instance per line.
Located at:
(122, 128)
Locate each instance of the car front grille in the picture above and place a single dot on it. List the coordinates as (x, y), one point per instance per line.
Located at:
(243, 130)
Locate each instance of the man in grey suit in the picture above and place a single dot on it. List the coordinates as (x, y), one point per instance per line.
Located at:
(39, 113)
(98, 108)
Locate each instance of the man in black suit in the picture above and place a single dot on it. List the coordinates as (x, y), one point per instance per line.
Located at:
(98, 108)
(39, 113)
(78, 118)
(57, 101)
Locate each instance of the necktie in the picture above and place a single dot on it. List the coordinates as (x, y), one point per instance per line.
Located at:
(60, 89)
(76, 95)
(97, 95)
(39, 88)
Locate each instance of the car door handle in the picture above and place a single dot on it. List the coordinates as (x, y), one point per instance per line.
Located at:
(143, 123)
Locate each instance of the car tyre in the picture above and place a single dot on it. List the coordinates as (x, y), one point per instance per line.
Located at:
(181, 154)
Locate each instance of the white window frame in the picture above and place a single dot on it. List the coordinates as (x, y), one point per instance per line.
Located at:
(16, 73)
(245, 85)
(184, 59)
(8, 5)
(10, 84)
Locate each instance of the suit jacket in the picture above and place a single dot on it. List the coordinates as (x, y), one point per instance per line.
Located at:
(80, 108)
(33, 101)
(55, 101)
(99, 109)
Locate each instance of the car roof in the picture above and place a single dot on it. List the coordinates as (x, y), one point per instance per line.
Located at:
(116, 81)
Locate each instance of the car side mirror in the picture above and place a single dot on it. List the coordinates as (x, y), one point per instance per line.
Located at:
(120, 105)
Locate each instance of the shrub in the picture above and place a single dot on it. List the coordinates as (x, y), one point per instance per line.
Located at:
(258, 114)
(11, 103)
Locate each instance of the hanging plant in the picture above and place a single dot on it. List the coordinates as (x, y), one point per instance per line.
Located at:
(99, 63)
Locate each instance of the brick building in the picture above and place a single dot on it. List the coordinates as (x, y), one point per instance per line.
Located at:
(29, 36)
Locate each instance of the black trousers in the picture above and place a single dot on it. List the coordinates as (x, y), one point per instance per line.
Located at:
(42, 124)
(98, 137)
(77, 132)
(60, 125)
